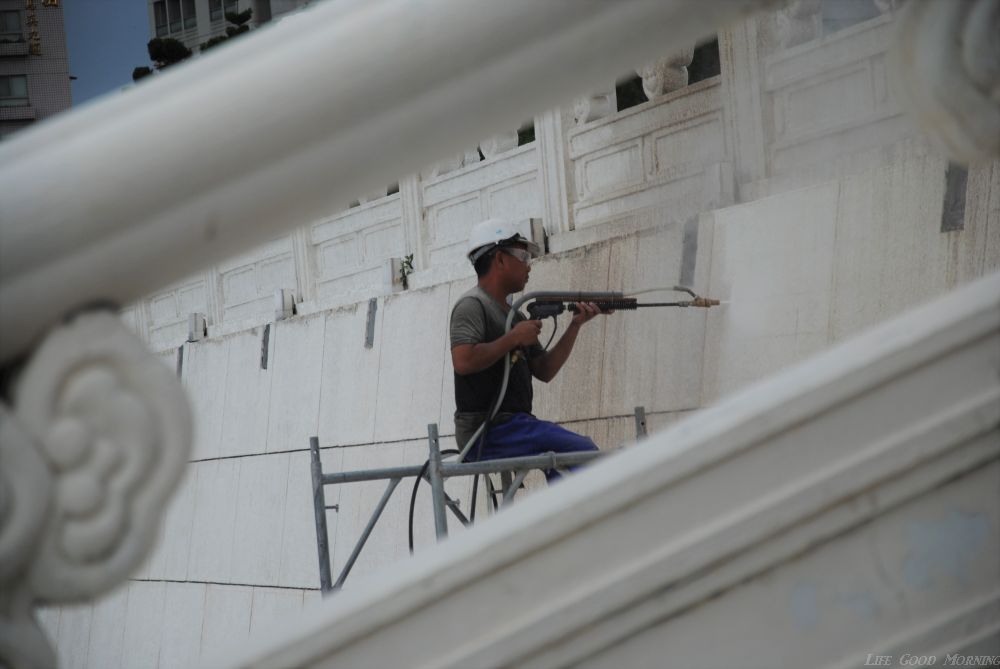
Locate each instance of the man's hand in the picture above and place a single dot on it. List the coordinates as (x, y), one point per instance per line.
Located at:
(472, 358)
(526, 333)
(585, 311)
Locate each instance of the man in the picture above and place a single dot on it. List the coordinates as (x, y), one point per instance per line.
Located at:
(502, 257)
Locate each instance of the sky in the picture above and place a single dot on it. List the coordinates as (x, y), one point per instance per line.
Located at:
(106, 41)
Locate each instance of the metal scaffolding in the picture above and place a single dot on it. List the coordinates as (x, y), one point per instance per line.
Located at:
(512, 470)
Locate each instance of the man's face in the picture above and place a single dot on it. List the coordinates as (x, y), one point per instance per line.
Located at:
(515, 261)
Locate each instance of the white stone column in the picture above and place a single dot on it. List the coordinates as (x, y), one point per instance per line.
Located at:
(305, 265)
(411, 199)
(552, 157)
(213, 296)
(742, 87)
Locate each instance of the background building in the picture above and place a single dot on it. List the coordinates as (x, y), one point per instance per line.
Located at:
(34, 69)
(194, 22)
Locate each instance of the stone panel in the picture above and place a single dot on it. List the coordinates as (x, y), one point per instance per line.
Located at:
(686, 148)
(273, 608)
(410, 379)
(350, 376)
(383, 242)
(338, 256)
(204, 378)
(184, 610)
(890, 252)
(227, 621)
(169, 310)
(175, 546)
(481, 175)
(838, 98)
(107, 628)
(248, 282)
(143, 625)
(260, 511)
(350, 247)
(612, 169)
(248, 393)
(211, 553)
(830, 99)
(773, 262)
(516, 200)
(295, 385)
(653, 357)
(448, 224)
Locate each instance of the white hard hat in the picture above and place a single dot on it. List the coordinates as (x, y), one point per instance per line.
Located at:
(493, 232)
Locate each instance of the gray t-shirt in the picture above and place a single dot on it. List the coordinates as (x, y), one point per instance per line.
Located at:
(477, 318)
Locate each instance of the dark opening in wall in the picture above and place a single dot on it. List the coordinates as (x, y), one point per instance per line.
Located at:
(628, 92)
(705, 63)
(526, 133)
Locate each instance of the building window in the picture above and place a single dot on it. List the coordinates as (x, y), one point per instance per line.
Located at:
(232, 6)
(13, 90)
(10, 26)
(215, 10)
(174, 15)
(160, 16)
(190, 18)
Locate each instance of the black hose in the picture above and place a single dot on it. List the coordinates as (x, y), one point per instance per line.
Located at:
(416, 485)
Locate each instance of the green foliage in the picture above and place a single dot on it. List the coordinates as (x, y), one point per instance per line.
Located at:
(166, 51)
(239, 26)
(140, 72)
(405, 270)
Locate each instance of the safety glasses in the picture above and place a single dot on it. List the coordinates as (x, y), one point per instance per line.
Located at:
(521, 254)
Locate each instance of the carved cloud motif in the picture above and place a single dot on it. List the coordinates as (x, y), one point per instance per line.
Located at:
(114, 428)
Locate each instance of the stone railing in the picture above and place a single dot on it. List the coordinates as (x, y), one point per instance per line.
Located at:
(830, 98)
(667, 155)
(658, 154)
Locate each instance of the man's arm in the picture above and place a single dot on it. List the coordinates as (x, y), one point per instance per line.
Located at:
(545, 367)
(472, 358)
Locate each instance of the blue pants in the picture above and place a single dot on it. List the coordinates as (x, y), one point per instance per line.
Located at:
(523, 434)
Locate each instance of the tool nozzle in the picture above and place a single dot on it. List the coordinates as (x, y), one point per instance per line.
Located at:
(704, 302)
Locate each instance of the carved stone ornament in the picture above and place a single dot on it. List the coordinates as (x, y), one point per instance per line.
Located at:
(502, 143)
(592, 107)
(945, 61)
(666, 74)
(91, 451)
(799, 22)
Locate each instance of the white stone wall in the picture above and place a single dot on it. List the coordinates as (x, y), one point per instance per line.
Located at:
(812, 225)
